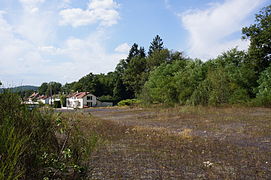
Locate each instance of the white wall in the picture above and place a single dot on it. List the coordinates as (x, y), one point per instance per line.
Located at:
(73, 102)
(92, 100)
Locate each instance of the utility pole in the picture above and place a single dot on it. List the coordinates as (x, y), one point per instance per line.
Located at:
(50, 84)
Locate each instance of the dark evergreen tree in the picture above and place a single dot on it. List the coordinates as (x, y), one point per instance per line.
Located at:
(134, 51)
(156, 45)
(142, 53)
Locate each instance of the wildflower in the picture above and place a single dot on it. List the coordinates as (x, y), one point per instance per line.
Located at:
(208, 164)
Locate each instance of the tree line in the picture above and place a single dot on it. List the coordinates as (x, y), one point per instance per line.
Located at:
(165, 76)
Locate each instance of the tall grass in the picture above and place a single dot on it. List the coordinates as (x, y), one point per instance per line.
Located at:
(38, 144)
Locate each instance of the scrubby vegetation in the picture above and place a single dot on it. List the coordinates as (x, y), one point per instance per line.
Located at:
(184, 142)
(181, 142)
(129, 102)
(37, 144)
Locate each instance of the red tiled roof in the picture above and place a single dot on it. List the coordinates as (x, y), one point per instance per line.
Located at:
(82, 94)
(42, 97)
(34, 95)
(78, 94)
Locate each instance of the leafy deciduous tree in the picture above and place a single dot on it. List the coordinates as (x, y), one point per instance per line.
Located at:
(260, 40)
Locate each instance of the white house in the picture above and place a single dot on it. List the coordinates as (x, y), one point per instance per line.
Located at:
(33, 97)
(81, 100)
(43, 99)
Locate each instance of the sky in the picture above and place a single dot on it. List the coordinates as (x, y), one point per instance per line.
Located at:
(64, 40)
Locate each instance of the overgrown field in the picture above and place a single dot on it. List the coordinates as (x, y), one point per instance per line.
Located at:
(183, 143)
(134, 143)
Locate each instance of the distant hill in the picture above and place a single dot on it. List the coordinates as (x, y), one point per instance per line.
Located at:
(21, 88)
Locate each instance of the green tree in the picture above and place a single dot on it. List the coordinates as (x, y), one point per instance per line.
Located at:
(43, 89)
(157, 58)
(228, 80)
(86, 83)
(156, 45)
(53, 88)
(68, 87)
(50, 88)
(264, 89)
(187, 80)
(135, 75)
(161, 85)
(135, 51)
(260, 40)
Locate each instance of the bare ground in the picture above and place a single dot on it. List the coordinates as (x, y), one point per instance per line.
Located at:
(184, 143)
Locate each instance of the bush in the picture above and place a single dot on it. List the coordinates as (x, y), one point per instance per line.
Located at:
(263, 96)
(129, 102)
(37, 144)
(57, 104)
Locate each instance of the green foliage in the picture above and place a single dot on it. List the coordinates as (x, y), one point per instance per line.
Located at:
(228, 81)
(161, 88)
(264, 90)
(57, 104)
(187, 79)
(135, 51)
(157, 58)
(12, 147)
(38, 143)
(156, 45)
(260, 40)
(25, 135)
(107, 98)
(63, 100)
(129, 102)
(50, 88)
(135, 75)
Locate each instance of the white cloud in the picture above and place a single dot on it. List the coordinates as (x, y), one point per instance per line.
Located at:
(32, 59)
(123, 48)
(31, 5)
(89, 55)
(209, 29)
(99, 11)
(37, 28)
(102, 4)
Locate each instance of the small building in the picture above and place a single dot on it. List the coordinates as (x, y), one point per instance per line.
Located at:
(33, 97)
(81, 100)
(43, 99)
(104, 104)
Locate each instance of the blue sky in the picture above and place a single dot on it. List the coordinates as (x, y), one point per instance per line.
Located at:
(63, 40)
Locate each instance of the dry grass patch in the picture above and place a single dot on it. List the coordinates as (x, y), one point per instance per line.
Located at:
(183, 143)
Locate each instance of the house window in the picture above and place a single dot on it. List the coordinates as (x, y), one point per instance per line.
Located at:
(89, 97)
(89, 104)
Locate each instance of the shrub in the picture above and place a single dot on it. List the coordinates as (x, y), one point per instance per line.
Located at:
(57, 104)
(263, 96)
(129, 102)
(37, 144)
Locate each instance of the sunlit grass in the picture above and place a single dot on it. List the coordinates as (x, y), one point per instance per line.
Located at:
(183, 143)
